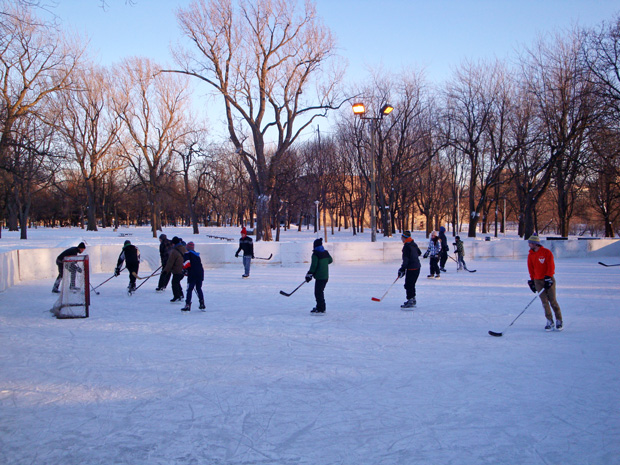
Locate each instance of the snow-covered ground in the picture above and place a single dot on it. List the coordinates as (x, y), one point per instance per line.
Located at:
(256, 379)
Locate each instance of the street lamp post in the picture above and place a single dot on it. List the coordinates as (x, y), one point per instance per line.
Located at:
(360, 110)
(316, 202)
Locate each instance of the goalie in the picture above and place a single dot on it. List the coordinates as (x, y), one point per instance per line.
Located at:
(131, 256)
(72, 251)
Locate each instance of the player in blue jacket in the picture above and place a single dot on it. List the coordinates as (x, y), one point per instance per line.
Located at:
(192, 267)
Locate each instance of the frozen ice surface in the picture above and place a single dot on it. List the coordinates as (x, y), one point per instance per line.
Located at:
(256, 379)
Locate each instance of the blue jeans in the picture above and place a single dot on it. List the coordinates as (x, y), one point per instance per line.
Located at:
(190, 290)
(247, 259)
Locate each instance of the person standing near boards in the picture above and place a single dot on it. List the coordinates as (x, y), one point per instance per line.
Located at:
(246, 244)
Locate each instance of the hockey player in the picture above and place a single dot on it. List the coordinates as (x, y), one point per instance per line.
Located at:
(165, 247)
(541, 266)
(410, 267)
(174, 265)
(192, 267)
(246, 244)
(460, 253)
(445, 248)
(130, 255)
(70, 252)
(433, 251)
(319, 270)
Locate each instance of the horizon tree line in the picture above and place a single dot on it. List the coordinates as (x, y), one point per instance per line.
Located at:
(535, 142)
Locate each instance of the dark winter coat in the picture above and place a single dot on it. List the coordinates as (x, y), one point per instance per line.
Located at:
(459, 248)
(175, 261)
(70, 252)
(165, 247)
(246, 244)
(319, 267)
(193, 266)
(444, 241)
(411, 254)
(131, 256)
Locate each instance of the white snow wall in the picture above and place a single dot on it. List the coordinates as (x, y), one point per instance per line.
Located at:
(32, 264)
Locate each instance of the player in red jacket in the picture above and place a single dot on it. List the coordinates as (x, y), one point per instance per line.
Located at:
(541, 266)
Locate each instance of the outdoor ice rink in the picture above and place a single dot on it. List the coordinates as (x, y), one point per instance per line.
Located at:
(257, 380)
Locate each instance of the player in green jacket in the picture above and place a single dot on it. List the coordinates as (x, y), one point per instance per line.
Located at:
(320, 272)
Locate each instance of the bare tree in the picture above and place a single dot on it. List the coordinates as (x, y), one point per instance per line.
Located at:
(89, 128)
(153, 108)
(36, 61)
(469, 106)
(263, 58)
(566, 110)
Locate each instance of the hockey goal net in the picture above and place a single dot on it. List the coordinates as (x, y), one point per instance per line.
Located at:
(74, 297)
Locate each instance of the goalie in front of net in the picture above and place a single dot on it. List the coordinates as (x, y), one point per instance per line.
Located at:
(70, 252)
(130, 255)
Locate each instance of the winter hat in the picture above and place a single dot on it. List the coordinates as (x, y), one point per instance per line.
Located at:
(175, 240)
(434, 233)
(126, 243)
(442, 229)
(190, 245)
(317, 243)
(534, 239)
(244, 231)
(406, 234)
(81, 245)
(163, 237)
(458, 238)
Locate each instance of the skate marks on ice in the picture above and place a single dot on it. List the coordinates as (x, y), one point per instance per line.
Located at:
(258, 380)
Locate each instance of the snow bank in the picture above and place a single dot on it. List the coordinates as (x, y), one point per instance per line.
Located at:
(34, 264)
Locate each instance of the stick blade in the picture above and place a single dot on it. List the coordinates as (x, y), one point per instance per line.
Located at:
(493, 333)
(285, 294)
(375, 299)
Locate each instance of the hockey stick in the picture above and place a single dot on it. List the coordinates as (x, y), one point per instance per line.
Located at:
(135, 275)
(147, 278)
(262, 258)
(288, 294)
(615, 264)
(493, 333)
(464, 267)
(375, 299)
(113, 276)
(93, 289)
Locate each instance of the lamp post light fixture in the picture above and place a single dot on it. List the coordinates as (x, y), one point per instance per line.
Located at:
(360, 110)
(316, 202)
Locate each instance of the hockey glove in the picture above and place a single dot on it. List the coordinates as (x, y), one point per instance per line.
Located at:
(308, 277)
(117, 272)
(425, 254)
(548, 282)
(236, 255)
(532, 286)
(401, 273)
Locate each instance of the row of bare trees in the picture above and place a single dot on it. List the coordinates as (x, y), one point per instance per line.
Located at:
(535, 141)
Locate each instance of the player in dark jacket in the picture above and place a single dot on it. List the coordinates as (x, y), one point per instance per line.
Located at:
(246, 244)
(319, 270)
(70, 252)
(445, 248)
(130, 255)
(192, 268)
(165, 247)
(410, 268)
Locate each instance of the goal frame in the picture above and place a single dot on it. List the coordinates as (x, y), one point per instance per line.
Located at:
(66, 300)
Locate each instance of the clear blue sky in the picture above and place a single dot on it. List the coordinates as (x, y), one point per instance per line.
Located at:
(436, 35)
